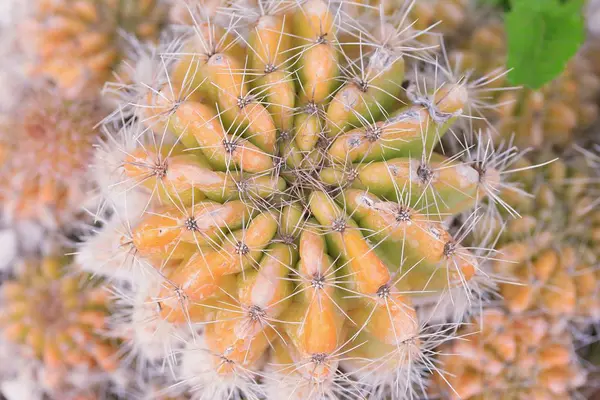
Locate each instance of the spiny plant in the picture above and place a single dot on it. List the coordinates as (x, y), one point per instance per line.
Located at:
(292, 202)
(500, 356)
(46, 144)
(57, 320)
(449, 18)
(550, 255)
(558, 99)
(79, 43)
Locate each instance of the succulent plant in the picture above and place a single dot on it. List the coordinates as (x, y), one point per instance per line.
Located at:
(78, 44)
(501, 356)
(550, 255)
(295, 199)
(57, 320)
(46, 144)
(292, 202)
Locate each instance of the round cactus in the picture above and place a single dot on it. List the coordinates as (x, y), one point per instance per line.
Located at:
(58, 319)
(294, 204)
(46, 144)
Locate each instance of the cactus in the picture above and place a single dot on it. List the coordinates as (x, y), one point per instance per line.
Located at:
(46, 144)
(79, 43)
(295, 200)
(291, 201)
(57, 318)
(500, 356)
(550, 254)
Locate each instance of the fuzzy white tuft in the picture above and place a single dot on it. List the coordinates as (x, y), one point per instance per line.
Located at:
(118, 192)
(8, 250)
(24, 386)
(110, 253)
(200, 374)
(287, 384)
(150, 340)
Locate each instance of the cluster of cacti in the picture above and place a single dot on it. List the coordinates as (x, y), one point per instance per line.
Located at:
(550, 255)
(502, 356)
(58, 344)
(293, 199)
(523, 345)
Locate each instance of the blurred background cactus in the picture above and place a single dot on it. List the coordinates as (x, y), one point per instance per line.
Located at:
(299, 199)
(56, 319)
(78, 44)
(47, 144)
(500, 356)
(552, 251)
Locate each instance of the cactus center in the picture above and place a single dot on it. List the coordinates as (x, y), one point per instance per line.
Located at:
(52, 313)
(35, 130)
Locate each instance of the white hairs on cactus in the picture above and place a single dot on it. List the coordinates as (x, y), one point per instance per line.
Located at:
(8, 238)
(402, 372)
(25, 385)
(109, 252)
(209, 375)
(18, 378)
(12, 75)
(115, 191)
(150, 341)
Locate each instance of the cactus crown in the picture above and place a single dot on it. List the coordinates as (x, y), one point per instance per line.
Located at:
(294, 198)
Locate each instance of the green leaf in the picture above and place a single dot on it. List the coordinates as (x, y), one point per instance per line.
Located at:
(542, 36)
